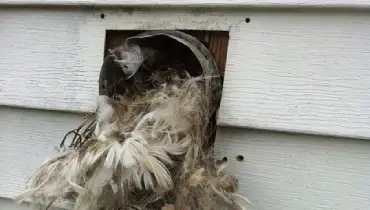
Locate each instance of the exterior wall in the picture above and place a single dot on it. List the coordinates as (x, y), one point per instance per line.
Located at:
(297, 172)
(198, 3)
(300, 72)
(293, 71)
(279, 170)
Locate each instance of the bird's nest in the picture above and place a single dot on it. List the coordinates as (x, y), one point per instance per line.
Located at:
(144, 151)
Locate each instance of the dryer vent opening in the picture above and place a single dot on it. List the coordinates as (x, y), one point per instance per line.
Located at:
(170, 53)
(215, 41)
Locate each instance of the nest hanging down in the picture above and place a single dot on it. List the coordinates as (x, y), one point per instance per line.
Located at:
(146, 147)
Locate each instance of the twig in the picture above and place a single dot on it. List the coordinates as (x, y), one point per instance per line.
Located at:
(79, 138)
(51, 203)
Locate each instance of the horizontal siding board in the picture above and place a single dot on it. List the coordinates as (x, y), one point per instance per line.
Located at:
(279, 171)
(51, 59)
(300, 72)
(199, 3)
(47, 61)
(28, 138)
(288, 171)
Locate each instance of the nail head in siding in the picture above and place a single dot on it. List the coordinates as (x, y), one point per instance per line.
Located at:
(240, 158)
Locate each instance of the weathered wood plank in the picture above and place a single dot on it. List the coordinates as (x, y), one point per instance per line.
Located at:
(200, 3)
(28, 138)
(51, 58)
(299, 72)
(287, 171)
(289, 71)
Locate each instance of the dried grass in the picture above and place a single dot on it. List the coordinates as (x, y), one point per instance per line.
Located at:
(145, 152)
